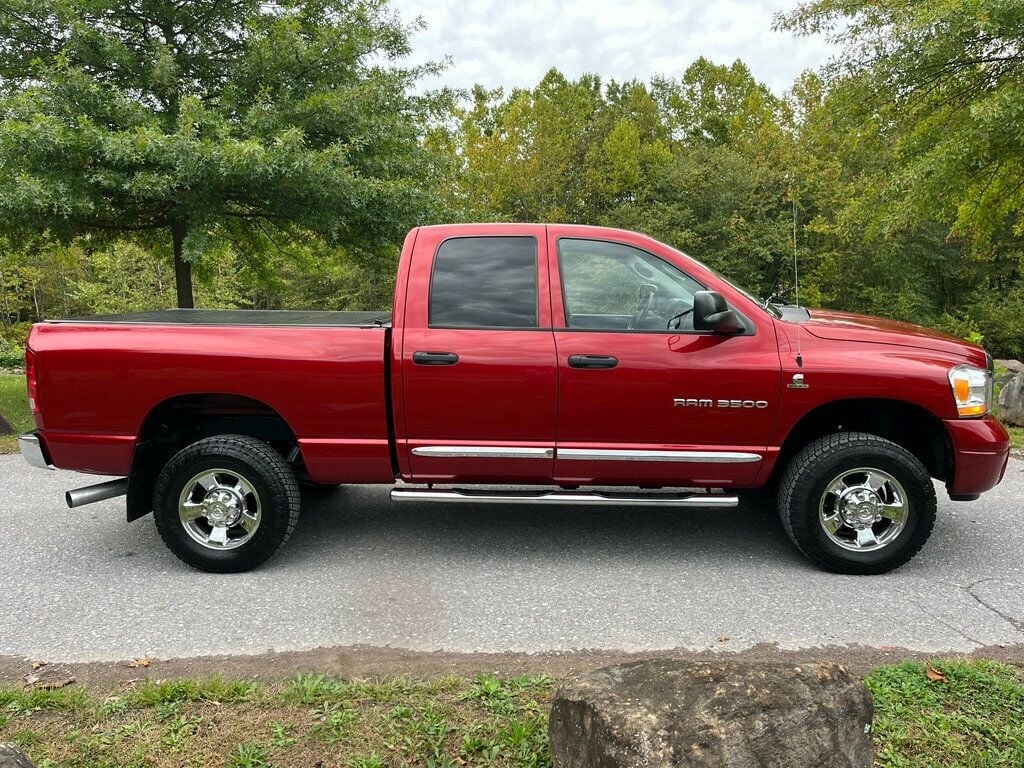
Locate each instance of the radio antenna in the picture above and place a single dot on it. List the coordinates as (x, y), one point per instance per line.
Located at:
(796, 287)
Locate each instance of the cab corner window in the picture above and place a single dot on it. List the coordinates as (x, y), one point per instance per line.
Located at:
(484, 282)
(615, 287)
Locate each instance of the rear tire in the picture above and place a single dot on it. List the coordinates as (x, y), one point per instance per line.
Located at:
(226, 504)
(856, 503)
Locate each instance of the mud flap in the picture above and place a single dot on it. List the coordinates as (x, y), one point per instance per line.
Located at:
(150, 457)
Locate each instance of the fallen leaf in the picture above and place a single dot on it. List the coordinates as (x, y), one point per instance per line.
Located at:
(141, 661)
(38, 665)
(934, 674)
(58, 683)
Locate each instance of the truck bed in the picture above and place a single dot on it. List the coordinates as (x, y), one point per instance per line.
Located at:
(271, 317)
(100, 380)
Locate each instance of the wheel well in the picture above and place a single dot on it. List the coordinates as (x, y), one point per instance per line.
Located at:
(905, 424)
(188, 418)
(181, 421)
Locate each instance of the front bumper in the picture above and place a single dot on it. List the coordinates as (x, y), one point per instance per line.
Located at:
(34, 450)
(981, 449)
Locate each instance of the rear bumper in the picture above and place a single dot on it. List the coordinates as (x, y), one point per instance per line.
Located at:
(981, 449)
(34, 450)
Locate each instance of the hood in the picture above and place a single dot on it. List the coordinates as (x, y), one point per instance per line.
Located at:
(846, 326)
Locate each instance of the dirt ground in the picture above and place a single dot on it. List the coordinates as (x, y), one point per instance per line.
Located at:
(365, 662)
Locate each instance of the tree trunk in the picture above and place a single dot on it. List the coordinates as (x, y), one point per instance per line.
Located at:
(182, 269)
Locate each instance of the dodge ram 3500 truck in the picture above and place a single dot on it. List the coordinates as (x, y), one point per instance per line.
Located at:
(522, 364)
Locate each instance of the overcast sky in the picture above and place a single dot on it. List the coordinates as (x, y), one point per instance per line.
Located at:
(514, 43)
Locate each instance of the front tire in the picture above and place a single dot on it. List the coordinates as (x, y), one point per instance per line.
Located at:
(226, 504)
(856, 503)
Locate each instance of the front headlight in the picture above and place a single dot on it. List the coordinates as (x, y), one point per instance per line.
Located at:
(972, 389)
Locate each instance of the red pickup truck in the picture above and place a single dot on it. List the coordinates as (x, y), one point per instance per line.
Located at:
(525, 364)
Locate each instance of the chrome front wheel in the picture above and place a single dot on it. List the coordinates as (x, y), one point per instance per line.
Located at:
(847, 514)
(863, 509)
(219, 509)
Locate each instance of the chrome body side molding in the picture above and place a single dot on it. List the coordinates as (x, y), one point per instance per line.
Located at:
(698, 457)
(583, 454)
(483, 452)
(591, 498)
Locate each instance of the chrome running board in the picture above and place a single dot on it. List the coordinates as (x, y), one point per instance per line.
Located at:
(600, 498)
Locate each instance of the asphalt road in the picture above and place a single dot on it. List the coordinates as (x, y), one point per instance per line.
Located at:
(84, 585)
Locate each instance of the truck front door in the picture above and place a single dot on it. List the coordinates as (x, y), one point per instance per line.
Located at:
(643, 398)
(477, 358)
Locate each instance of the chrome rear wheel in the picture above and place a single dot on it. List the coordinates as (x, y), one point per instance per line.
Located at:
(226, 503)
(219, 509)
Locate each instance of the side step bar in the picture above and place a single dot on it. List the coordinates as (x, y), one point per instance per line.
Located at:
(593, 498)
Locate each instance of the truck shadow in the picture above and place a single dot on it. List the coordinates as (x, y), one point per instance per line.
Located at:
(364, 518)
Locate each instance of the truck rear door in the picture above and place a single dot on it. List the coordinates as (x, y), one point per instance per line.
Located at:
(477, 397)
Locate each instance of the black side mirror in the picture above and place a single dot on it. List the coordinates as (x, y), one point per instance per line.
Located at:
(711, 313)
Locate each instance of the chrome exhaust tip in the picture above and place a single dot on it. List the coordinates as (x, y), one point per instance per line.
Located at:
(90, 494)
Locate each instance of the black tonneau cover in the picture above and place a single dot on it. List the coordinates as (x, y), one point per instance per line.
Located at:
(241, 317)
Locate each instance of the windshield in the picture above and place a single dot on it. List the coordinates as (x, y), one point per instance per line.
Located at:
(764, 304)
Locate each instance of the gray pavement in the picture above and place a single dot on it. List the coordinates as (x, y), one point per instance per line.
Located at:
(84, 585)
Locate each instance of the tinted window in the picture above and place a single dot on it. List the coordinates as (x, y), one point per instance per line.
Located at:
(485, 282)
(610, 286)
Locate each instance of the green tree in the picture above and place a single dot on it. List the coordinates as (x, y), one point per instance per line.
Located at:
(942, 82)
(914, 163)
(239, 122)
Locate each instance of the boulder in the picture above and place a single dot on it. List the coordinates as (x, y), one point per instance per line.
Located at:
(12, 757)
(1006, 370)
(1013, 366)
(1011, 401)
(660, 713)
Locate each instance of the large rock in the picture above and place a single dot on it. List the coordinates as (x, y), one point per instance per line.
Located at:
(660, 713)
(1013, 366)
(12, 757)
(1006, 370)
(1011, 401)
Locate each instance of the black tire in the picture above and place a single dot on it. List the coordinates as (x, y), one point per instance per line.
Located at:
(271, 480)
(806, 480)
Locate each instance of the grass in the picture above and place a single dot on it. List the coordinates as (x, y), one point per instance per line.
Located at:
(1016, 438)
(975, 720)
(311, 720)
(14, 406)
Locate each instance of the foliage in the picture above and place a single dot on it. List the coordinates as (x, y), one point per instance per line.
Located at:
(14, 407)
(941, 80)
(299, 154)
(225, 124)
(12, 354)
(912, 164)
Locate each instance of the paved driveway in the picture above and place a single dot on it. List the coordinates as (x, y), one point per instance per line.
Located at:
(83, 585)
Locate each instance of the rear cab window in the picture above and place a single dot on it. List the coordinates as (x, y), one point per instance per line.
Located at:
(484, 282)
